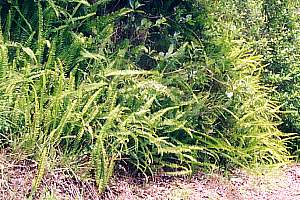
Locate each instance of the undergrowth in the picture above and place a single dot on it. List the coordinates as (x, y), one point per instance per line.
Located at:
(172, 87)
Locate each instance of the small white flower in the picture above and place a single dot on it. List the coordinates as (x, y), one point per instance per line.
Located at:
(229, 94)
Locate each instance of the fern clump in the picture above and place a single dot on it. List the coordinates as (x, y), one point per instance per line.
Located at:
(123, 82)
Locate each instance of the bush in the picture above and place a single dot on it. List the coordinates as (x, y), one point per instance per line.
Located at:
(281, 58)
(276, 38)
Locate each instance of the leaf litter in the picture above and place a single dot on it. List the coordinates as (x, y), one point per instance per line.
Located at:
(279, 183)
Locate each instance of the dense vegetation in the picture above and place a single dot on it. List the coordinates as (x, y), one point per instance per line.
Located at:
(172, 85)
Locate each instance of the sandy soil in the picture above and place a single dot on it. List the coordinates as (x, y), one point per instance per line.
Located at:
(273, 184)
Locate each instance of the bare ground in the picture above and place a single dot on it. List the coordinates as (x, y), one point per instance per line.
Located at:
(274, 184)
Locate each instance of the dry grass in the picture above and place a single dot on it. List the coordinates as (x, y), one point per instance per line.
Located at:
(17, 176)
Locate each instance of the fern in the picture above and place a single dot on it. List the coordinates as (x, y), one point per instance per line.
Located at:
(172, 87)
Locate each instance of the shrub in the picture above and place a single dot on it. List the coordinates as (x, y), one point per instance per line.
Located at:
(276, 38)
